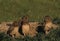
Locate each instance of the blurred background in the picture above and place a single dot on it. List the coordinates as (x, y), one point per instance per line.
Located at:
(36, 9)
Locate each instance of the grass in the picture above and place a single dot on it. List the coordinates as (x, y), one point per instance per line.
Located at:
(54, 35)
(36, 9)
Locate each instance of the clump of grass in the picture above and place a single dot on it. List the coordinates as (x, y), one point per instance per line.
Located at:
(54, 35)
